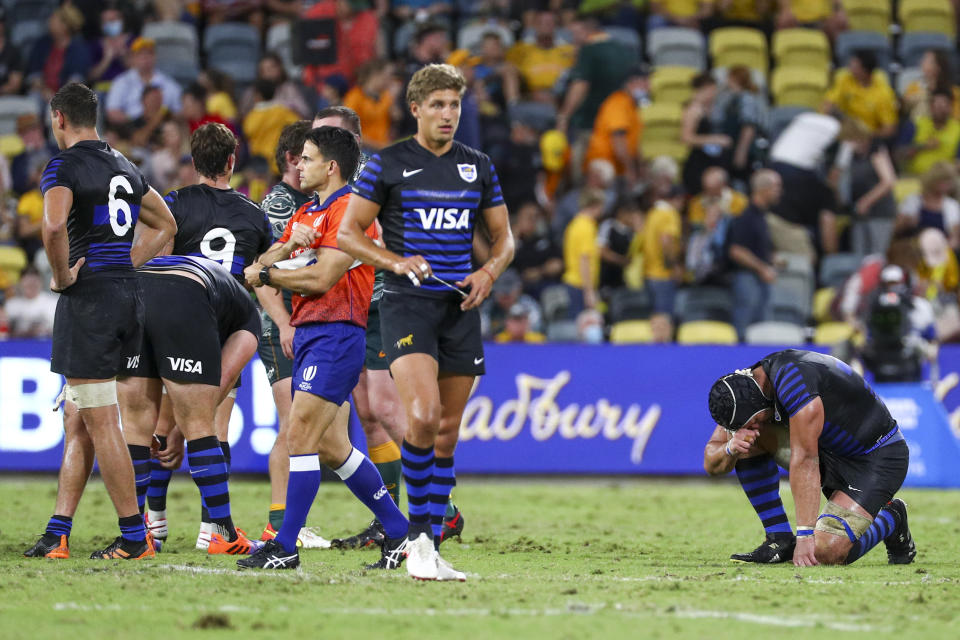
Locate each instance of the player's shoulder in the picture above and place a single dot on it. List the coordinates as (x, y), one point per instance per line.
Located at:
(398, 151)
(463, 152)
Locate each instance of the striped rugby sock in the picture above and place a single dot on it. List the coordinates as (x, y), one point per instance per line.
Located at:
(140, 456)
(60, 525)
(881, 527)
(157, 491)
(209, 472)
(302, 489)
(760, 480)
(417, 473)
(386, 458)
(443, 481)
(132, 528)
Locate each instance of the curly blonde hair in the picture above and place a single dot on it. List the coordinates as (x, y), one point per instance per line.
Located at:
(435, 77)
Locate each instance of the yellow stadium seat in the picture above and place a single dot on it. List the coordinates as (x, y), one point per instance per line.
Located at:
(822, 299)
(706, 332)
(868, 15)
(661, 131)
(799, 86)
(801, 48)
(933, 16)
(11, 145)
(828, 333)
(12, 262)
(731, 46)
(631, 332)
(672, 84)
(904, 187)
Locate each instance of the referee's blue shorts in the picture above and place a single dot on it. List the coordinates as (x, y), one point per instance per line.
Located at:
(327, 359)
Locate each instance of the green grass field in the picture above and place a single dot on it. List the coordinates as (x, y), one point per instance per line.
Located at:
(545, 559)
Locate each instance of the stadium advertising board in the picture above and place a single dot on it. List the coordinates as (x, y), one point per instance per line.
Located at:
(540, 409)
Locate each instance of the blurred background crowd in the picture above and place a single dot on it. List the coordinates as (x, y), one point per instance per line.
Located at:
(722, 171)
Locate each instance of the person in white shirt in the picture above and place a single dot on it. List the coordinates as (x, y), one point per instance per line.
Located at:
(123, 100)
(30, 314)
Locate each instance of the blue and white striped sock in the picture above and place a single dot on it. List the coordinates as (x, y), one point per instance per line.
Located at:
(417, 466)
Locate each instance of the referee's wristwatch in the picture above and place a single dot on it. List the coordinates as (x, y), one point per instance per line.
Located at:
(265, 275)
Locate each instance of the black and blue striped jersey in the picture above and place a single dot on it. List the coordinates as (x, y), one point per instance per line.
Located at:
(855, 420)
(219, 224)
(429, 206)
(107, 192)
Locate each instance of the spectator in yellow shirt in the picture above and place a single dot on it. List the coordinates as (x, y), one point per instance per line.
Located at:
(262, 126)
(373, 100)
(543, 61)
(663, 261)
(861, 91)
(517, 328)
(679, 13)
(616, 131)
(581, 254)
(717, 192)
(825, 15)
(935, 138)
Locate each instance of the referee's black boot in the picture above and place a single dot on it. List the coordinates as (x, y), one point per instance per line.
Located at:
(900, 546)
(778, 547)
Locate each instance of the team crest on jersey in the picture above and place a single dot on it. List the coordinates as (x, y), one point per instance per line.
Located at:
(468, 172)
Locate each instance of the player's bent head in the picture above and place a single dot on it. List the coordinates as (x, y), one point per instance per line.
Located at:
(211, 146)
(435, 77)
(291, 141)
(736, 400)
(77, 103)
(339, 145)
(339, 116)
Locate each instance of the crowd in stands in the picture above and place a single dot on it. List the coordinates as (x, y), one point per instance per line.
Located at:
(676, 170)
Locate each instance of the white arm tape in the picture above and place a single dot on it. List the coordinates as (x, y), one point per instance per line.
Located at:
(92, 394)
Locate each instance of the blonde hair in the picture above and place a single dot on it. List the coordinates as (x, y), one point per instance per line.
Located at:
(941, 171)
(435, 77)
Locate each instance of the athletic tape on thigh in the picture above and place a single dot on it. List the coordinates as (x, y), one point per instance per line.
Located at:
(232, 394)
(782, 454)
(92, 394)
(842, 521)
(347, 468)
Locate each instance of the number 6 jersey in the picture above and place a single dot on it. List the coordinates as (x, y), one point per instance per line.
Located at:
(219, 224)
(107, 191)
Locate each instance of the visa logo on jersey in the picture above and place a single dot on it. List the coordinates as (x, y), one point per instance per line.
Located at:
(186, 366)
(440, 218)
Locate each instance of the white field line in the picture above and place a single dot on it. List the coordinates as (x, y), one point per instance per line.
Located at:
(573, 609)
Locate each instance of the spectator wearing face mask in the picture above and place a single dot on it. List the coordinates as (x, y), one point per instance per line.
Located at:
(109, 51)
(617, 128)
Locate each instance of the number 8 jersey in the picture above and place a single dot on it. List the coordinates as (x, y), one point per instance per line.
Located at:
(107, 191)
(219, 224)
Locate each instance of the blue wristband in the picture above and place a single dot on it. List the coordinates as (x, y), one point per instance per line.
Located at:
(804, 531)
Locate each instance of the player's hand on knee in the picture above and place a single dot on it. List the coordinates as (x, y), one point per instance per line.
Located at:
(58, 287)
(805, 553)
(480, 283)
(415, 267)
